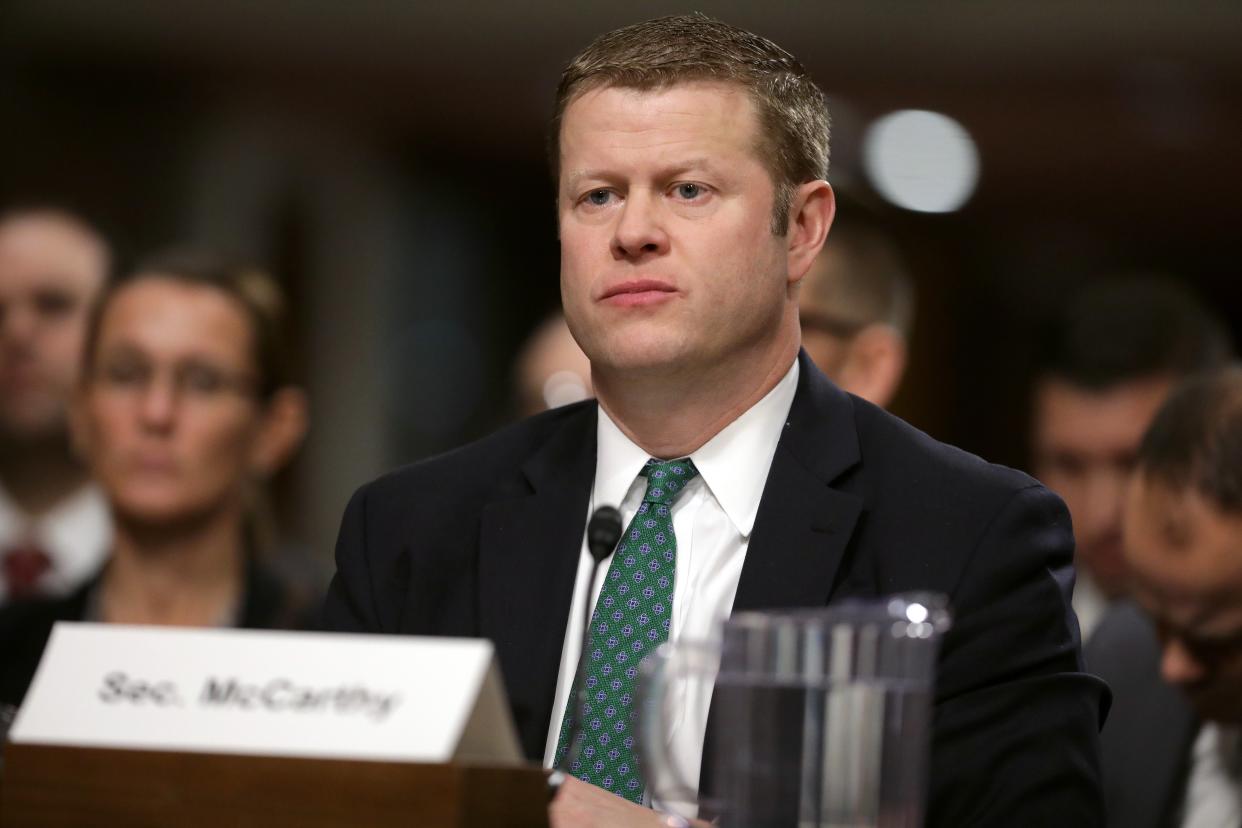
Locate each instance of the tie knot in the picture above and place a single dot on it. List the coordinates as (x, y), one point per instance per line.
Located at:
(23, 566)
(667, 479)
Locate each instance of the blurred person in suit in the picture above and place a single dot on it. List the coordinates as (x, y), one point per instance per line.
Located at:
(690, 159)
(54, 526)
(1172, 746)
(1107, 362)
(183, 409)
(551, 369)
(856, 306)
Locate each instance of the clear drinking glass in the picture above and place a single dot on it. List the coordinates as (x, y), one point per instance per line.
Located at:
(821, 717)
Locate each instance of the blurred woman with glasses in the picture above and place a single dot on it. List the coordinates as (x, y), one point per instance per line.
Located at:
(185, 408)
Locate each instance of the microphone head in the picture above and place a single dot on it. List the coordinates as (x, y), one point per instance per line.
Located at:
(603, 532)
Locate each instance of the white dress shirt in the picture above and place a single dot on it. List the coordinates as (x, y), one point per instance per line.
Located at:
(1089, 603)
(712, 520)
(1214, 790)
(76, 534)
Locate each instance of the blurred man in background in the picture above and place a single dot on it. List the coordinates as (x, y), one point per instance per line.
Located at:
(54, 527)
(856, 308)
(551, 369)
(1107, 364)
(1171, 747)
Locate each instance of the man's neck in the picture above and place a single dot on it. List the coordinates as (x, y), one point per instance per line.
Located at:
(672, 414)
(40, 474)
(189, 575)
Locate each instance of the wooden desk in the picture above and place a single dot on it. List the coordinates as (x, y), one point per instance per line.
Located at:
(61, 786)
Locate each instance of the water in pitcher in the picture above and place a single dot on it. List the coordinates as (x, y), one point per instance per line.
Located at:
(820, 718)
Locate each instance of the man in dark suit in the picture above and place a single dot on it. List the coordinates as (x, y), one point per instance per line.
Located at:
(1171, 749)
(1151, 727)
(1107, 361)
(691, 159)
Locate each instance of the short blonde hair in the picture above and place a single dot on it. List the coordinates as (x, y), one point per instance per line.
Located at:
(659, 53)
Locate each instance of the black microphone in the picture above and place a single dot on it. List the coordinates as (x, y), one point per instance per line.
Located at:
(602, 535)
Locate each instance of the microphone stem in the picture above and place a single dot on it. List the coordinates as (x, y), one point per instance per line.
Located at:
(579, 698)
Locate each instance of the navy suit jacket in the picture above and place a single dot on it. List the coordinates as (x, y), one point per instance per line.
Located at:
(485, 541)
(1146, 747)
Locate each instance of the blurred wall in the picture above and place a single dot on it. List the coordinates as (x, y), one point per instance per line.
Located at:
(386, 160)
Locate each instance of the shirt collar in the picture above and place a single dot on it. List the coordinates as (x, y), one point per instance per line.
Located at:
(618, 461)
(734, 464)
(75, 531)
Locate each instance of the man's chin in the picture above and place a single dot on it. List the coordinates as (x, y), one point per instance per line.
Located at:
(639, 359)
(34, 425)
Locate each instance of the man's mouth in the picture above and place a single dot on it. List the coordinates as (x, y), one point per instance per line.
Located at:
(637, 292)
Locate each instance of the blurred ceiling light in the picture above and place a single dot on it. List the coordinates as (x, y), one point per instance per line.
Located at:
(921, 160)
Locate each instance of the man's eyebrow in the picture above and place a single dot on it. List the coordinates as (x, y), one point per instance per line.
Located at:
(573, 178)
(686, 164)
(673, 169)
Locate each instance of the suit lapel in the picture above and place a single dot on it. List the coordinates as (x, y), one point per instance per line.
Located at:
(529, 548)
(531, 539)
(803, 524)
(1161, 757)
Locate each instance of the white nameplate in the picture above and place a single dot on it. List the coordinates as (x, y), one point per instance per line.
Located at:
(283, 694)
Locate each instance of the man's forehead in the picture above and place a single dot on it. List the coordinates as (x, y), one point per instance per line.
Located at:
(690, 125)
(38, 227)
(620, 106)
(47, 250)
(1097, 417)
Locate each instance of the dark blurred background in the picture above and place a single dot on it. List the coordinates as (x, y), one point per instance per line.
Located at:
(386, 159)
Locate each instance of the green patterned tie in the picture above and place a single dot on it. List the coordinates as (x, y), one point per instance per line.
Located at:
(632, 617)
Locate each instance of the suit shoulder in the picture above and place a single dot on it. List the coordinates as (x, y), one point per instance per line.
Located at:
(935, 515)
(943, 473)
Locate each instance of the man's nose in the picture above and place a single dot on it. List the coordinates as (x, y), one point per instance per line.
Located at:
(157, 406)
(18, 325)
(1103, 501)
(640, 227)
(1177, 665)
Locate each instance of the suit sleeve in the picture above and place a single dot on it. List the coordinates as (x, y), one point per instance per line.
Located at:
(1016, 730)
(350, 602)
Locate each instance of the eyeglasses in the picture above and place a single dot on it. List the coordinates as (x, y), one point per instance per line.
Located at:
(829, 324)
(190, 379)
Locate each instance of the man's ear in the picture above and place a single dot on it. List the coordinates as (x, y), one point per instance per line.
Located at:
(874, 364)
(285, 421)
(810, 215)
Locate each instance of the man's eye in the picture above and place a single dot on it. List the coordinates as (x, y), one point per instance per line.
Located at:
(689, 191)
(125, 373)
(598, 198)
(199, 379)
(1068, 465)
(54, 303)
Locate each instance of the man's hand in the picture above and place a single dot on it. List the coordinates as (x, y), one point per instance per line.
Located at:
(579, 805)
